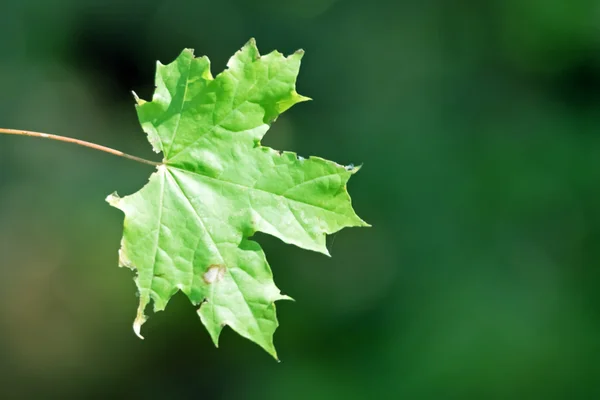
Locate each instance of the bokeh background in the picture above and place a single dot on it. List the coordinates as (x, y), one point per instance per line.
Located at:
(478, 124)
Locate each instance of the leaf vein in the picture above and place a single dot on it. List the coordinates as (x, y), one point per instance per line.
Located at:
(218, 251)
(176, 130)
(257, 189)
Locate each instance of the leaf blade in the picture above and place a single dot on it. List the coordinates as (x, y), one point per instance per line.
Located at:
(188, 228)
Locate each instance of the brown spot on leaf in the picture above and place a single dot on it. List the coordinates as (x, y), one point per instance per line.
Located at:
(214, 273)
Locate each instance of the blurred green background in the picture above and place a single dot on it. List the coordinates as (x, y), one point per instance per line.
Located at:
(478, 123)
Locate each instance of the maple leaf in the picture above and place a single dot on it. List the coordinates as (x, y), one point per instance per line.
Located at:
(188, 228)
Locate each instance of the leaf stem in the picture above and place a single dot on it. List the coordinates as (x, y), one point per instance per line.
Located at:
(78, 142)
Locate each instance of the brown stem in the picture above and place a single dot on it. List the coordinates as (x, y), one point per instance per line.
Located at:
(79, 142)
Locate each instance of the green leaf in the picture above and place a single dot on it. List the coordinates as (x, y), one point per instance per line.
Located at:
(188, 229)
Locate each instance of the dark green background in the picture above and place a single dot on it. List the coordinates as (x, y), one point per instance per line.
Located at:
(478, 123)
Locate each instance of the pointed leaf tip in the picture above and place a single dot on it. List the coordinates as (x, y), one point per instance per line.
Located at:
(137, 326)
(113, 199)
(138, 101)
